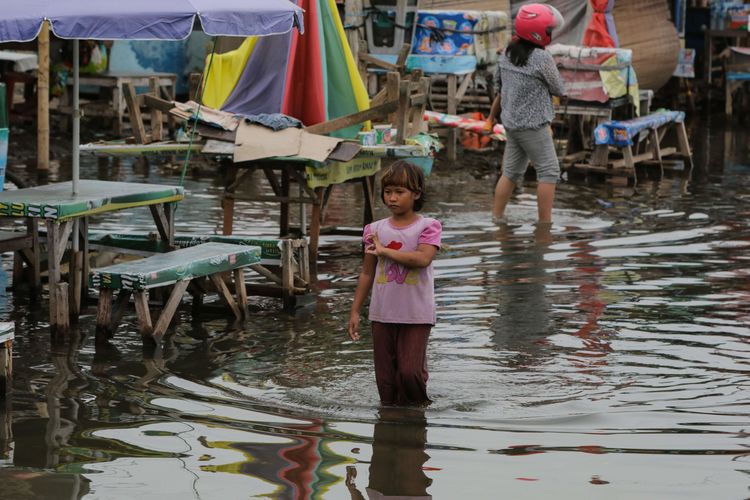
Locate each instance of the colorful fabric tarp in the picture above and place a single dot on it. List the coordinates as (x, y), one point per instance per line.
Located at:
(621, 133)
(596, 74)
(601, 31)
(146, 19)
(164, 269)
(313, 77)
(464, 123)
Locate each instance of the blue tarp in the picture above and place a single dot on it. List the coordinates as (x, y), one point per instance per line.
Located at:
(621, 133)
(146, 19)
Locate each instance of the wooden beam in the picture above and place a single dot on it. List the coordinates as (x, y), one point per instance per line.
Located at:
(367, 58)
(160, 218)
(155, 102)
(240, 290)
(167, 313)
(121, 304)
(225, 294)
(143, 313)
(136, 120)
(374, 113)
(42, 96)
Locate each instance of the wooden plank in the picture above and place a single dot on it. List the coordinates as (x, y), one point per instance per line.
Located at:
(367, 58)
(160, 218)
(61, 324)
(683, 143)
(65, 228)
(272, 180)
(156, 114)
(266, 273)
(75, 277)
(461, 92)
(225, 294)
(104, 311)
(403, 55)
(121, 304)
(83, 235)
(380, 97)
(374, 113)
(240, 290)
(157, 103)
(136, 121)
(167, 313)
(145, 327)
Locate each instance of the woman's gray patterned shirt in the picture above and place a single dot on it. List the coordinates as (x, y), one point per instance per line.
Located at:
(526, 90)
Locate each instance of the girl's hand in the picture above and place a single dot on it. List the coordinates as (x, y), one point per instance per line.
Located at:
(354, 326)
(374, 247)
(489, 124)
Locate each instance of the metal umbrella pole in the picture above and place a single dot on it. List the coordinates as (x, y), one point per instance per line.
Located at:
(76, 119)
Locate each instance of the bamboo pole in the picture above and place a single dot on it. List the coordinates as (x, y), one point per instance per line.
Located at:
(42, 92)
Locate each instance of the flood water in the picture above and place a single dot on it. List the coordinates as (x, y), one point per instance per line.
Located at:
(606, 357)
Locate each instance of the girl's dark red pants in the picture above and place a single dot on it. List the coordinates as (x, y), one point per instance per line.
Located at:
(401, 362)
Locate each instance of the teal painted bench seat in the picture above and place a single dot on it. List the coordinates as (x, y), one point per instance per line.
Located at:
(283, 266)
(181, 269)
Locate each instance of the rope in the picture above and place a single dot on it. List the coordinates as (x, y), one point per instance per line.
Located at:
(196, 115)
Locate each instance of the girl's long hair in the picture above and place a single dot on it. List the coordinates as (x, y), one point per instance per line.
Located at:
(519, 50)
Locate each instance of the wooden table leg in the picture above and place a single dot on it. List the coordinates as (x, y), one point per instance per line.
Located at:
(284, 214)
(59, 310)
(315, 220)
(227, 200)
(452, 108)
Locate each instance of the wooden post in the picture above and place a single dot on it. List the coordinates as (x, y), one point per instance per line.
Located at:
(284, 215)
(57, 239)
(145, 326)
(42, 95)
(227, 199)
(452, 109)
(287, 274)
(156, 115)
(104, 311)
(240, 289)
(368, 190)
(393, 85)
(6, 360)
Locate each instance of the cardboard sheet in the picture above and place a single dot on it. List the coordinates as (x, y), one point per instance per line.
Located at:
(255, 142)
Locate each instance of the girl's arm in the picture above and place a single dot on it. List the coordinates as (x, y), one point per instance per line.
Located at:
(364, 285)
(421, 257)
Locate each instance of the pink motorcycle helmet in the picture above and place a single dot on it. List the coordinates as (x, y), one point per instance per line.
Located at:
(536, 23)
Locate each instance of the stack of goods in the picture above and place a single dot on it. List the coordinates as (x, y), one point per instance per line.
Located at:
(596, 74)
(470, 33)
(730, 14)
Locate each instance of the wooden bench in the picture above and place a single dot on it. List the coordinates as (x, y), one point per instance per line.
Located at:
(283, 262)
(628, 138)
(25, 248)
(7, 334)
(187, 267)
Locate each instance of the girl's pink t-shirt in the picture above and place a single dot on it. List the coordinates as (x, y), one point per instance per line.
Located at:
(401, 294)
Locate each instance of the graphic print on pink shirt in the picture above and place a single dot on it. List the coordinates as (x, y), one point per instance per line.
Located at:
(393, 271)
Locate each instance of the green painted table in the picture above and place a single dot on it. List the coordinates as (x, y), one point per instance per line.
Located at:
(66, 214)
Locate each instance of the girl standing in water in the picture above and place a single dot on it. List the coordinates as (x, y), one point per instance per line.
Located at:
(525, 81)
(397, 268)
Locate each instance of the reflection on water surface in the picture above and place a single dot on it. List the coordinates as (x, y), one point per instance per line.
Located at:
(605, 356)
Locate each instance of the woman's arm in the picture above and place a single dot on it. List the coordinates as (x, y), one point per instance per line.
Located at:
(364, 285)
(552, 77)
(494, 110)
